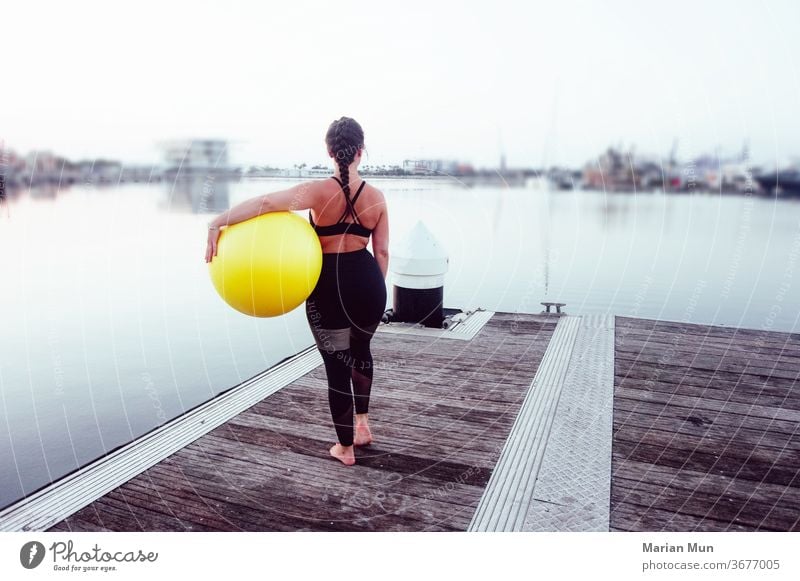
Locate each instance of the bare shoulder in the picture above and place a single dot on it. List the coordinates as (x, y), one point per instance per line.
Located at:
(319, 189)
(378, 198)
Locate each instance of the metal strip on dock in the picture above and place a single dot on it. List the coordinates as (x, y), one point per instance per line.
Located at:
(463, 331)
(506, 499)
(573, 487)
(57, 501)
(470, 327)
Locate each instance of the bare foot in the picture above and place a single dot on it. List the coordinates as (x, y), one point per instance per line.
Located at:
(343, 453)
(363, 435)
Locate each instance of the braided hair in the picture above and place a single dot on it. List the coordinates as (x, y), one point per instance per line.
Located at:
(344, 138)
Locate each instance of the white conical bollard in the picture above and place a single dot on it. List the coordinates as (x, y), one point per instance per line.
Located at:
(419, 263)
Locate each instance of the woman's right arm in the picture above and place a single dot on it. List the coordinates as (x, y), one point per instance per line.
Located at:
(380, 242)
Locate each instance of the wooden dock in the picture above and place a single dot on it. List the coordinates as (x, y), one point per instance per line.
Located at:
(706, 428)
(529, 422)
(441, 410)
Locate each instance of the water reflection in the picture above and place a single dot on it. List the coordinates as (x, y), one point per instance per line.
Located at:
(44, 191)
(198, 194)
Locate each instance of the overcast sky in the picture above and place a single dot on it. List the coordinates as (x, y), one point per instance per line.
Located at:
(458, 80)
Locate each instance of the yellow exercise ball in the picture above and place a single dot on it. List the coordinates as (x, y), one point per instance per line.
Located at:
(268, 265)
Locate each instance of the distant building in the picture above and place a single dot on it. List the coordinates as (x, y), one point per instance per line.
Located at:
(430, 166)
(95, 171)
(303, 172)
(613, 171)
(713, 172)
(140, 173)
(197, 155)
(316, 172)
(12, 163)
(43, 162)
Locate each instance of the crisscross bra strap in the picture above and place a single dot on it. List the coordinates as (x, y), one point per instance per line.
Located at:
(342, 227)
(350, 206)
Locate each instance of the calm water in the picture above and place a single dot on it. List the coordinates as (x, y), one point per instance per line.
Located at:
(110, 324)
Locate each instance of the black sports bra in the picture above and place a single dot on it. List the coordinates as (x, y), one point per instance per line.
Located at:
(342, 227)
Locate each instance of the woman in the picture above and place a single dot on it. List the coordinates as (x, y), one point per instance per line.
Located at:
(346, 306)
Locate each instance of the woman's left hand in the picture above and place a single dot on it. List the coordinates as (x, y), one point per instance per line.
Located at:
(213, 238)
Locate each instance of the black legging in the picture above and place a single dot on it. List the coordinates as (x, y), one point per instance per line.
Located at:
(344, 311)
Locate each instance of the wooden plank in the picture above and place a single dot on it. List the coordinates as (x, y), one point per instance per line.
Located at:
(191, 513)
(682, 440)
(630, 517)
(742, 394)
(698, 402)
(784, 498)
(712, 364)
(679, 427)
(787, 352)
(378, 476)
(775, 430)
(124, 514)
(424, 441)
(435, 470)
(73, 524)
(738, 361)
(676, 375)
(754, 514)
(312, 452)
(501, 391)
(759, 465)
(739, 333)
(409, 414)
